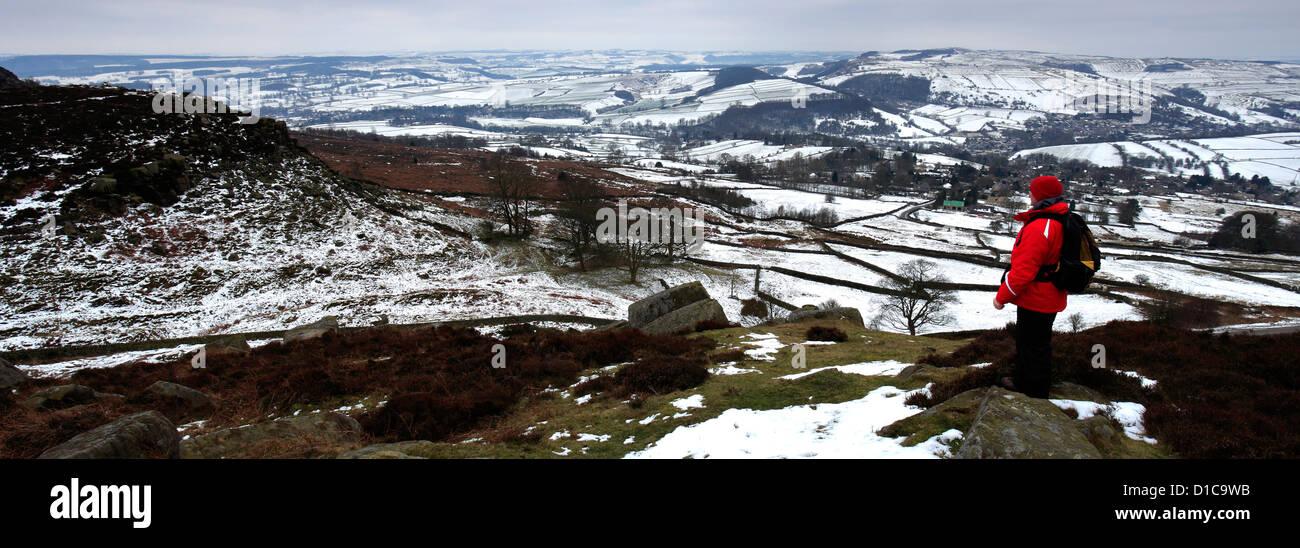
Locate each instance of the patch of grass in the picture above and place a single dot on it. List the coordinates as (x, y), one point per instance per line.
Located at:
(439, 386)
(829, 386)
(437, 381)
(660, 375)
(989, 346)
(725, 356)
(825, 333)
(753, 307)
(25, 433)
(621, 418)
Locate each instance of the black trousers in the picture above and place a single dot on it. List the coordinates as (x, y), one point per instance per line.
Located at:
(1033, 375)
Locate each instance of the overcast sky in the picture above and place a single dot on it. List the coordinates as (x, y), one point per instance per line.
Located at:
(1238, 29)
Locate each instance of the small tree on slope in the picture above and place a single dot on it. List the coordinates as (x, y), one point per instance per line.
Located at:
(916, 304)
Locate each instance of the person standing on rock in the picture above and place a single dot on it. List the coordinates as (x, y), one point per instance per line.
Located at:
(1037, 299)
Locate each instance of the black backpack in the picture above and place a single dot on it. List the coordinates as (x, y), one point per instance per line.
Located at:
(1080, 257)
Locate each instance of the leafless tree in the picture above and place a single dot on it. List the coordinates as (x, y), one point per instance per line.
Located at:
(1076, 322)
(916, 303)
(634, 254)
(512, 194)
(671, 244)
(575, 226)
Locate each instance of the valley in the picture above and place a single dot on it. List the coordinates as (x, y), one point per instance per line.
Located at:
(180, 233)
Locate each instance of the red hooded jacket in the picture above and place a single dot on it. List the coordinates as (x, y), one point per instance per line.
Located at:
(1038, 244)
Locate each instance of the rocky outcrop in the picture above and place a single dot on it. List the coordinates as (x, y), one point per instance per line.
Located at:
(235, 442)
(138, 436)
(621, 324)
(229, 343)
(655, 306)
(1002, 424)
(956, 413)
(675, 309)
(65, 396)
(10, 376)
(916, 371)
(1077, 392)
(837, 313)
(401, 450)
(178, 402)
(687, 317)
(8, 79)
(311, 330)
(1010, 425)
(1103, 433)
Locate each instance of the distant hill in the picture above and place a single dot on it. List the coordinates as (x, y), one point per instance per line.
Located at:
(9, 79)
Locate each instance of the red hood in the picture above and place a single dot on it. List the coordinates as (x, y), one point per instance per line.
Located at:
(1060, 208)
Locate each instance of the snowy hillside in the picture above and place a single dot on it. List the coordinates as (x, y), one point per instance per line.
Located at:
(240, 229)
(1272, 155)
(966, 92)
(979, 90)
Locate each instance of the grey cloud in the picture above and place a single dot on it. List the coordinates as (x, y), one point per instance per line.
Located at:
(1152, 28)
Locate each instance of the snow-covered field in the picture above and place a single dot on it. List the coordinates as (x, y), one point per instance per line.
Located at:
(972, 93)
(1272, 155)
(741, 149)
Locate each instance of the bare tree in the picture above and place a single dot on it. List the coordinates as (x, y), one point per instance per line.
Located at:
(670, 226)
(1076, 322)
(512, 194)
(575, 226)
(916, 303)
(634, 254)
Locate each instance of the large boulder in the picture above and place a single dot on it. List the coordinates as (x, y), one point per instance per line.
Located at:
(678, 308)
(1077, 392)
(1011, 425)
(917, 371)
(419, 449)
(142, 435)
(1104, 434)
(925, 373)
(10, 376)
(178, 402)
(65, 396)
(230, 343)
(311, 330)
(836, 313)
(687, 317)
(620, 324)
(649, 309)
(235, 442)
